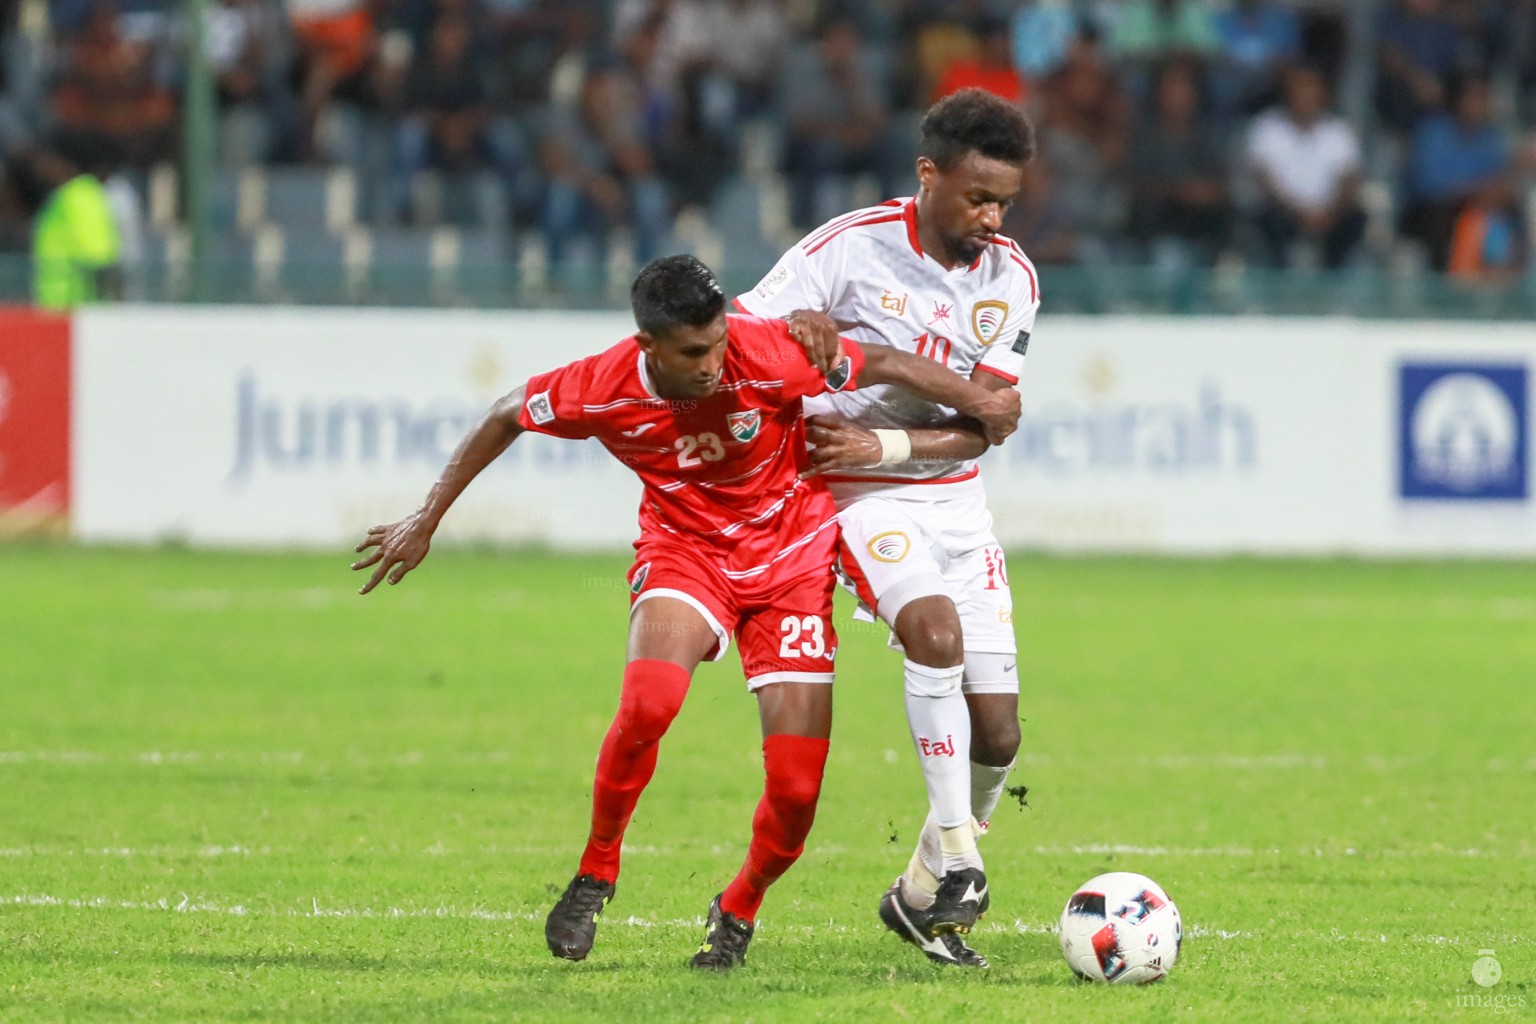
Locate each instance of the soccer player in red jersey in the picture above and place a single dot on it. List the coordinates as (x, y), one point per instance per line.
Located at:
(706, 409)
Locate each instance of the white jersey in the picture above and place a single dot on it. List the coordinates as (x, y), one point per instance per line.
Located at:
(868, 272)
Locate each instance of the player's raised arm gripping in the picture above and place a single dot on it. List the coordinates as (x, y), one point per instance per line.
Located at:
(997, 410)
(400, 547)
(817, 334)
(842, 445)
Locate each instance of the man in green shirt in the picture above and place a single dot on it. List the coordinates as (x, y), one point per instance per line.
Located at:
(75, 241)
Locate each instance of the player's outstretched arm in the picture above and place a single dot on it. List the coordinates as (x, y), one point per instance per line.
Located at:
(400, 547)
(998, 410)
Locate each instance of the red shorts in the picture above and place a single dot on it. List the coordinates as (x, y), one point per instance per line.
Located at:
(781, 617)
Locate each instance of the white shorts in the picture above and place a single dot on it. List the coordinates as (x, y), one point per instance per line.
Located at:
(896, 549)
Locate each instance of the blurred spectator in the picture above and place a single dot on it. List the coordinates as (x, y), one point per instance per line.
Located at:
(836, 124)
(446, 107)
(938, 38)
(1040, 222)
(107, 97)
(1325, 37)
(241, 38)
(70, 16)
(1084, 139)
(418, 19)
(1043, 31)
(247, 44)
(76, 247)
(337, 58)
(681, 29)
(1149, 30)
(1519, 29)
(1419, 47)
(22, 192)
(1180, 204)
(990, 67)
(1259, 39)
(1489, 244)
(1307, 165)
(1485, 33)
(749, 40)
(533, 39)
(8, 12)
(600, 173)
(690, 122)
(1455, 160)
(656, 91)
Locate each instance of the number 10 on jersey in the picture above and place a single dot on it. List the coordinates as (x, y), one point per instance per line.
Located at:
(934, 346)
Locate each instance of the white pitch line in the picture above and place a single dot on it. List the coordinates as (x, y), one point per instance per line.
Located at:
(216, 600)
(128, 852)
(1122, 849)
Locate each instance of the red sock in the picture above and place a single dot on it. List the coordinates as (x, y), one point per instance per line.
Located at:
(794, 766)
(652, 695)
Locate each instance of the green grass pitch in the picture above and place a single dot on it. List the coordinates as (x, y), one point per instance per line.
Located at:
(230, 789)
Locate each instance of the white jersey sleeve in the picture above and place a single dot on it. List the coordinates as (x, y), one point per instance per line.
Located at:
(827, 269)
(1004, 354)
(795, 282)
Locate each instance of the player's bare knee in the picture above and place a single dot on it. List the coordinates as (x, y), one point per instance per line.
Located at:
(937, 647)
(929, 630)
(995, 743)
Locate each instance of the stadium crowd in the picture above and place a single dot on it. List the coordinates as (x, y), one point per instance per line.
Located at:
(1171, 131)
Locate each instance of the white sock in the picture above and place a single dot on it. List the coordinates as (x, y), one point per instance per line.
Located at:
(958, 846)
(987, 784)
(920, 882)
(941, 733)
(939, 851)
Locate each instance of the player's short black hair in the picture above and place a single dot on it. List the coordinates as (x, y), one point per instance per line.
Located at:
(974, 119)
(675, 290)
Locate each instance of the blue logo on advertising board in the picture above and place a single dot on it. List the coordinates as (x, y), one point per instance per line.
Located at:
(1463, 431)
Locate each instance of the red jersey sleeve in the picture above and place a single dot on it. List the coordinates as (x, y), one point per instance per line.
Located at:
(771, 351)
(552, 401)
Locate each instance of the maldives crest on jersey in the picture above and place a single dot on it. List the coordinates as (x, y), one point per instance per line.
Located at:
(743, 425)
(987, 318)
(637, 578)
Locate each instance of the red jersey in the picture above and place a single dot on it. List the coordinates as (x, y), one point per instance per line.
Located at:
(722, 470)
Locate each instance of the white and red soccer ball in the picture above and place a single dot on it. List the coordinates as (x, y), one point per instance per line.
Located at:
(1121, 928)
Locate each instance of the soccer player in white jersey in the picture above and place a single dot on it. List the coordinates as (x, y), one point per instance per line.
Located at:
(929, 274)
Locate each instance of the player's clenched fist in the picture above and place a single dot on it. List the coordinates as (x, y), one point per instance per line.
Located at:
(817, 334)
(1000, 416)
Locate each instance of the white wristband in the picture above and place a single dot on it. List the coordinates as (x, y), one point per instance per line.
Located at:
(895, 446)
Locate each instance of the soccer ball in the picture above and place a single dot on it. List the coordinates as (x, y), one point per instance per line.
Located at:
(1121, 928)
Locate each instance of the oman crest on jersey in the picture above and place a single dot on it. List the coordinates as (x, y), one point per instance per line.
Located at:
(743, 425)
(987, 319)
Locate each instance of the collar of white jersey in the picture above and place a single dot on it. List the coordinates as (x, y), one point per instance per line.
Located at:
(909, 217)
